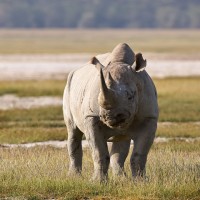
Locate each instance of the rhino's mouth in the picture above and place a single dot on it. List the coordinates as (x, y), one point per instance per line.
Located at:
(118, 125)
(120, 121)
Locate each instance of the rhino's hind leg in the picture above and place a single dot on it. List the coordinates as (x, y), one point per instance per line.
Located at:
(118, 153)
(74, 145)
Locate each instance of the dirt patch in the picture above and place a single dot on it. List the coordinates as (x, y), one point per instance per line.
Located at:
(167, 68)
(22, 67)
(63, 144)
(11, 101)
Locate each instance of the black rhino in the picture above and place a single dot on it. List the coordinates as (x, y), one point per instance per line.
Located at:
(111, 98)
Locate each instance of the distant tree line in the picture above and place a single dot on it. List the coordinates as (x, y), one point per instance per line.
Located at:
(100, 13)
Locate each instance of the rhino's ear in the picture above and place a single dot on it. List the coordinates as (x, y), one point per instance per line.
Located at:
(96, 62)
(140, 63)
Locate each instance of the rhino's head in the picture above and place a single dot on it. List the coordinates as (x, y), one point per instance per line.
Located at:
(119, 87)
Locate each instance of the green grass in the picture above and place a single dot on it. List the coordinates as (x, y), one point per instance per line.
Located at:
(178, 102)
(59, 41)
(41, 173)
(187, 129)
(25, 132)
(52, 113)
(32, 125)
(179, 99)
(34, 134)
(33, 88)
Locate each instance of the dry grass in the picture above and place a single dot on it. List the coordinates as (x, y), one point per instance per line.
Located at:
(56, 41)
(173, 168)
(173, 173)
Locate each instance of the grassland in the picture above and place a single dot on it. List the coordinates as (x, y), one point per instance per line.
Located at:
(173, 168)
(173, 172)
(178, 102)
(185, 42)
(33, 88)
(18, 133)
(178, 99)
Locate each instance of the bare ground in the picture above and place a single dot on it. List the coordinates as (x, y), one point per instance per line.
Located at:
(63, 144)
(22, 67)
(11, 101)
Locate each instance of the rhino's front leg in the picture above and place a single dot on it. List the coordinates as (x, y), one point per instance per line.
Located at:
(98, 145)
(142, 144)
(119, 152)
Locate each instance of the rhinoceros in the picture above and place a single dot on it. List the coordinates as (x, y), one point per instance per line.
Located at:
(111, 98)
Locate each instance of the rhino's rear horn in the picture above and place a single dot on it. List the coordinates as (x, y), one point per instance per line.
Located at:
(107, 96)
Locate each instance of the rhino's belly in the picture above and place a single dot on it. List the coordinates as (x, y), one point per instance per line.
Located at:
(77, 114)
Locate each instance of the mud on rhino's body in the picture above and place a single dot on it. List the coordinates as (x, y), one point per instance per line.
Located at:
(112, 101)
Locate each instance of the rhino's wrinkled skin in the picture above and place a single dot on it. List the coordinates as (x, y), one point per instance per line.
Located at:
(111, 99)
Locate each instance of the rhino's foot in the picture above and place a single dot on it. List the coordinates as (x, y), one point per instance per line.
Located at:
(117, 171)
(99, 178)
(138, 162)
(138, 174)
(138, 178)
(74, 172)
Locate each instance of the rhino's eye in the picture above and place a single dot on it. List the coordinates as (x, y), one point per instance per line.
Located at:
(130, 98)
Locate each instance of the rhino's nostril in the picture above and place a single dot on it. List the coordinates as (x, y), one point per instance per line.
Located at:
(120, 118)
(120, 115)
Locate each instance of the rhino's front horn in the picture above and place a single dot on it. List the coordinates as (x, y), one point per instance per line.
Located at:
(107, 98)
